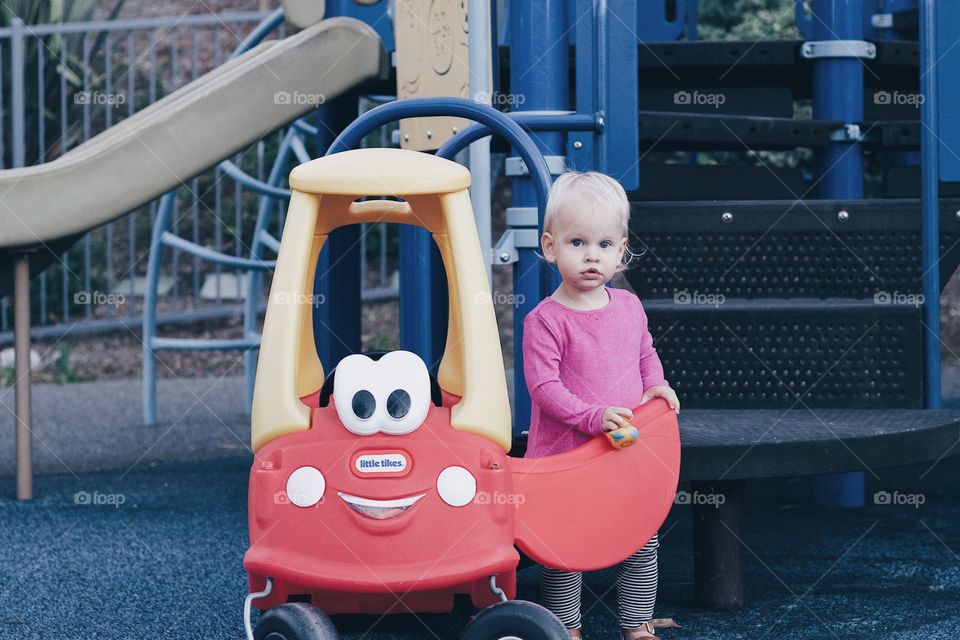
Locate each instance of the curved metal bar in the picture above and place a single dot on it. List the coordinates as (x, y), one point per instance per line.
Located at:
(216, 257)
(563, 121)
(248, 604)
(299, 149)
(457, 107)
(269, 23)
(258, 186)
(205, 344)
(308, 129)
(269, 241)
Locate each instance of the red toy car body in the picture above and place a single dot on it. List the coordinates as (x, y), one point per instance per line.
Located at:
(379, 488)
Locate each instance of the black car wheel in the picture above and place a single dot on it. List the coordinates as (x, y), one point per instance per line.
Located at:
(515, 620)
(295, 621)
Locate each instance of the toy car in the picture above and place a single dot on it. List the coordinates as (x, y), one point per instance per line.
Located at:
(381, 488)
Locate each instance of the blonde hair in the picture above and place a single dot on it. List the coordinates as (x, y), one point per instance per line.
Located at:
(596, 187)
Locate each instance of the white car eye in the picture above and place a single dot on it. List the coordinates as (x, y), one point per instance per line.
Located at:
(405, 391)
(391, 394)
(354, 396)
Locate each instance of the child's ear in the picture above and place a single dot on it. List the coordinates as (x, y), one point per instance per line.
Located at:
(549, 248)
(623, 250)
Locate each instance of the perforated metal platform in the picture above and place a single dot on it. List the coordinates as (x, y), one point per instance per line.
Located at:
(785, 249)
(731, 445)
(764, 354)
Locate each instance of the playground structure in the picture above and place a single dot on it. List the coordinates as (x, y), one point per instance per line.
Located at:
(812, 363)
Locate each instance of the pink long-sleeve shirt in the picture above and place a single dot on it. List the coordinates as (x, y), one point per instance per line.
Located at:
(578, 363)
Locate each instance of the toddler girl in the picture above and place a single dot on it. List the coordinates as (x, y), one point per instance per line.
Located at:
(588, 357)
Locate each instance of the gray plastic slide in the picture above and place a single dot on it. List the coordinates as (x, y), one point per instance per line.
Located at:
(49, 206)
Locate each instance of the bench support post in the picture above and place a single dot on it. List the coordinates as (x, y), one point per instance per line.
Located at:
(21, 337)
(717, 512)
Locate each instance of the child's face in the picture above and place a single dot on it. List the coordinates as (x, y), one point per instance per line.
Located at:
(586, 244)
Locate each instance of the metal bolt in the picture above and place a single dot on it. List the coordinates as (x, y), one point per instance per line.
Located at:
(505, 256)
(957, 214)
(843, 216)
(454, 129)
(807, 49)
(601, 121)
(429, 134)
(727, 216)
(579, 145)
(406, 137)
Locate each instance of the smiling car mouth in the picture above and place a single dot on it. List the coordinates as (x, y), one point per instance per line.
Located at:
(379, 509)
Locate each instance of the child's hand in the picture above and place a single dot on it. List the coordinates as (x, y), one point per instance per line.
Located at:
(662, 391)
(612, 418)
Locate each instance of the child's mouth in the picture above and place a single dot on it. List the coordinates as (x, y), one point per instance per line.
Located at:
(591, 273)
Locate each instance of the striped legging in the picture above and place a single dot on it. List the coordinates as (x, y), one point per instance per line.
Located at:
(636, 589)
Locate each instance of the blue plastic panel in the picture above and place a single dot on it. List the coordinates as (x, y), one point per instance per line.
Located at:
(947, 70)
(604, 88)
(374, 15)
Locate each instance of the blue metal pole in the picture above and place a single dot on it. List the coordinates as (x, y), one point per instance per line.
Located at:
(149, 314)
(336, 316)
(423, 308)
(930, 197)
(838, 95)
(539, 72)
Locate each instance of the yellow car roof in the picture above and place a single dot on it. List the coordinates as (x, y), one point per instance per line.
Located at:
(361, 171)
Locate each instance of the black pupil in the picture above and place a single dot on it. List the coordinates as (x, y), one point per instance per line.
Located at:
(364, 404)
(398, 404)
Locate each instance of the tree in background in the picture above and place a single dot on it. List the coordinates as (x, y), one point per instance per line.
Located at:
(54, 64)
(746, 20)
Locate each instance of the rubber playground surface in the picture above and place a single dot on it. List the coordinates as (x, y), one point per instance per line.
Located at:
(156, 552)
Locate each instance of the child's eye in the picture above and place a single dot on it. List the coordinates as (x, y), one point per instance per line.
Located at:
(576, 242)
(606, 244)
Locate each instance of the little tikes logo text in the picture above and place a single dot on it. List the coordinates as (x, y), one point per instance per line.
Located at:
(381, 463)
